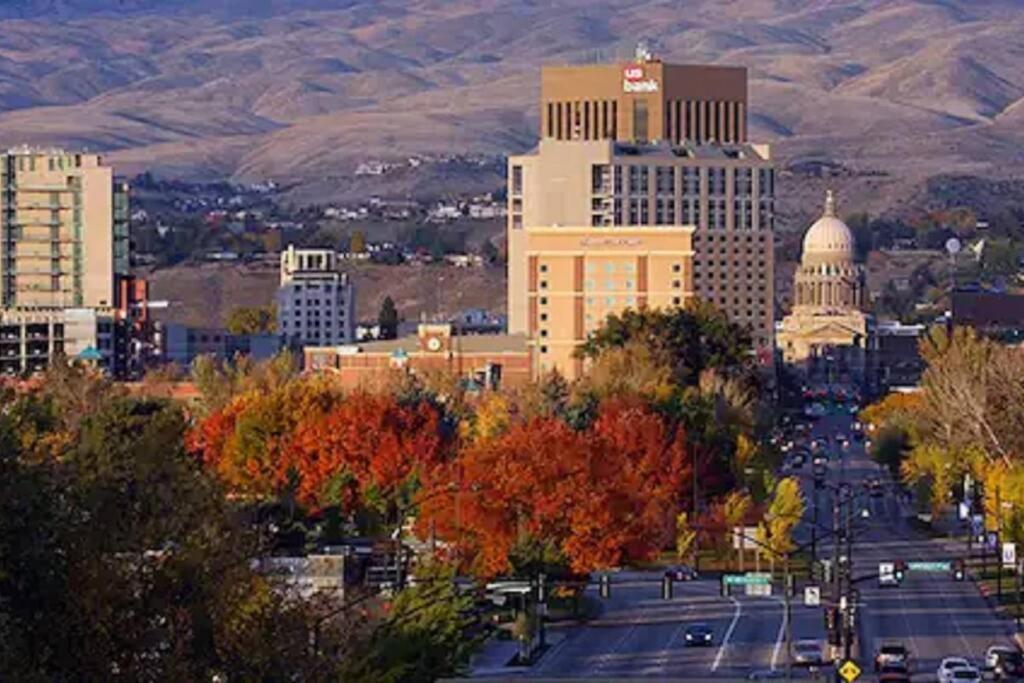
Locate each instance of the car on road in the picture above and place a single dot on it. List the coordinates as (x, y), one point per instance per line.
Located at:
(681, 572)
(893, 673)
(944, 674)
(699, 635)
(965, 675)
(808, 652)
(1004, 661)
(892, 653)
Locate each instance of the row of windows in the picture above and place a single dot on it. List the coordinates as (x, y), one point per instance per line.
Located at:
(586, 120)
(636, 179)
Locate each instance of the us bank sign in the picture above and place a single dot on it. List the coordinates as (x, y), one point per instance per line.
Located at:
(634, 80)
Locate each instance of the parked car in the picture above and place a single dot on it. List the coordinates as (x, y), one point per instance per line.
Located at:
(947, 666)
(699, 635)
(1004, 661)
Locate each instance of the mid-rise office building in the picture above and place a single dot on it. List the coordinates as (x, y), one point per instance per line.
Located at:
(65, 286)
(315, 301)
(643, 191)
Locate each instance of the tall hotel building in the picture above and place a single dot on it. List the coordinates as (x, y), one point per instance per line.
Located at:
(65, 286)
(643, 191)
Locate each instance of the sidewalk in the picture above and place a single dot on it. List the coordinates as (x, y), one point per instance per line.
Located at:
(493, 659)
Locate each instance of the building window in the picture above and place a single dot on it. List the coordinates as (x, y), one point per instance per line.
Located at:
(638, 180)
(543, 333)
(676, 301)
(676, 284)
(543, 284)
(543, 349)
(543, 268)
(543, 301)
(677, 268)
(543, 317)
(517, 180)
(665, 179)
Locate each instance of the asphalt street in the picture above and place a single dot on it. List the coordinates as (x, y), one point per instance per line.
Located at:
(931, 613)
(641, 635)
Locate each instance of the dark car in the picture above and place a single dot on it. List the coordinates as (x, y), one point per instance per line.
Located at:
(892, 654)
(1004, 662)
(699, 635)
(681, 572)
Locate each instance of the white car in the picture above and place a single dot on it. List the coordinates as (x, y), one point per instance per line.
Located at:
(808, 652)
(968, 675)
(948, 666)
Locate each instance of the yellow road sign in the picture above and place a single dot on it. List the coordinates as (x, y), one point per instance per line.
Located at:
(849, 671)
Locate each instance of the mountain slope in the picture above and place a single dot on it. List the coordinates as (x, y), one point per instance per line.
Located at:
(303, 90)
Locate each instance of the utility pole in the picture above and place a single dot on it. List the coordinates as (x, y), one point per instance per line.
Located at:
(788, 616)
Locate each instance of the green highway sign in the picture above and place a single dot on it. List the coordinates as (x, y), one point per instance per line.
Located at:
(929, 566)
(748, 579)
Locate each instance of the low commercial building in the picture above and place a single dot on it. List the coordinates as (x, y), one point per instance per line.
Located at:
(182, 344)
(484, 361)
(30, 339)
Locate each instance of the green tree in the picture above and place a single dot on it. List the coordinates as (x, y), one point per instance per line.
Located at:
(122, 561)
(387, 319)
(252, 320)
(692, 339)
(423, 638)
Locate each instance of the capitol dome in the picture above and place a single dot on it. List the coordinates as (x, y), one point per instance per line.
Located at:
(830, 236)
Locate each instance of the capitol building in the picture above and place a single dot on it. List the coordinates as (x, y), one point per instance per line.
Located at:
(828, 334)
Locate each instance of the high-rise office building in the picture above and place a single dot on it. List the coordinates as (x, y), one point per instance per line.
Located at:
(643, 191)
(316, 301)
(64, 261)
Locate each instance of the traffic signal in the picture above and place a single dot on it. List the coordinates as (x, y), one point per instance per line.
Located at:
(901, 570)
(832, 625)
(604, 586)
(959, 574)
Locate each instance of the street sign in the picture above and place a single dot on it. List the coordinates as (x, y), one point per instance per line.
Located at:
(762, 590)
(748, 579)
(992, 540)
(812, 596)
(929, 566)
(1009, 555)
(849, 671)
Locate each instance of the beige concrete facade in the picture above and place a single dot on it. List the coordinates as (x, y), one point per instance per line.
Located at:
(688, 220)
(63, 230)
(577, 276)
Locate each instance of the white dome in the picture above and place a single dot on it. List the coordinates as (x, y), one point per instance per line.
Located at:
(829, 235)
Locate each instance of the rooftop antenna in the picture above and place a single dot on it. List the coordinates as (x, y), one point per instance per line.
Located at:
(643, 52)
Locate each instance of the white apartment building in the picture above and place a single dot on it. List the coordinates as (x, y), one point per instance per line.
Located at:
(315, 301)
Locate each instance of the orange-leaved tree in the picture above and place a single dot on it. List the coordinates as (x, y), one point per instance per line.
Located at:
(368, 449)
(599, 497)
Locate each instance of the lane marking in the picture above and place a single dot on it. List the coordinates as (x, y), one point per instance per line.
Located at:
(781, 635)
(728, 634)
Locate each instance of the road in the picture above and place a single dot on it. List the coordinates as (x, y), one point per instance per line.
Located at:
(931, 613)
(640, 635)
